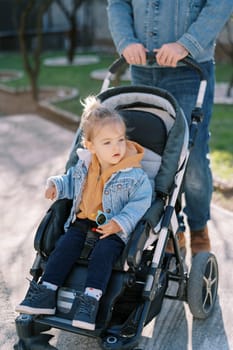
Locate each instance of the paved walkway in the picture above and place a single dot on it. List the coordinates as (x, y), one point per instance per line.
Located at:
(31, 149)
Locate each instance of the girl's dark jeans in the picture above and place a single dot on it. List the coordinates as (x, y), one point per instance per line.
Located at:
(68, 250)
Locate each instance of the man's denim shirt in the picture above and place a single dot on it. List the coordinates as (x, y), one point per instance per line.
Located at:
(193, 23)
(126, 195)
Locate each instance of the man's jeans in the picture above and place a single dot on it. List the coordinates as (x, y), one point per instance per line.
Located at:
(183, 83)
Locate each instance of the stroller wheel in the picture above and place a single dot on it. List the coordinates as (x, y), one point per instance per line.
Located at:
(202, 285)
(114, 342)
(20, 345)
(36, 342)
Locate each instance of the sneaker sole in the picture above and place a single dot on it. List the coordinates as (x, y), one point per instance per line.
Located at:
(34, 311)
(83, 325)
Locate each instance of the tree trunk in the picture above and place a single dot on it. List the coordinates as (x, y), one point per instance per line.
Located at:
(72, 39)
(230, 87)
(32, 64)
(71, 18)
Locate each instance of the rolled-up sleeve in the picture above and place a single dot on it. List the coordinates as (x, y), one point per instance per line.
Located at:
(207, 26)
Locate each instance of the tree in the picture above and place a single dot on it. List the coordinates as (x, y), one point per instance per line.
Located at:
(31, 56)
(70, 14)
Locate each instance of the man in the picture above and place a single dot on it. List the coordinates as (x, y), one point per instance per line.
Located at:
(174, 29)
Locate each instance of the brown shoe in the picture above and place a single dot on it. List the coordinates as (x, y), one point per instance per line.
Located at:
(200, 241)
(181, 238)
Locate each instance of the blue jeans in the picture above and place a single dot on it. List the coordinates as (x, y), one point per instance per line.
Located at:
(183, 83)
(68, 250)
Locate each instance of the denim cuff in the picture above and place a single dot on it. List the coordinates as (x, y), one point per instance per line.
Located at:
(191, 44)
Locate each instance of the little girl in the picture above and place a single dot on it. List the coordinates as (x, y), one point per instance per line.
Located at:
(110, 193)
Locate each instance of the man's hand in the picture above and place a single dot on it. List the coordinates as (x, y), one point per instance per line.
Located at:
(108, 229)
(135, 54)
(169, 54)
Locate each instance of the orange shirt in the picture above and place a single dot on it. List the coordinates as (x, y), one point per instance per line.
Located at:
(91, 200)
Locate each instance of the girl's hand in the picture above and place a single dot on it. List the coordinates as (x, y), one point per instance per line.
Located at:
(51, 192)
(108, 229)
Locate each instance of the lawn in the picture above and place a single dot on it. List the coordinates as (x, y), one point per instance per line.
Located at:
(221, 143)
(71, 76)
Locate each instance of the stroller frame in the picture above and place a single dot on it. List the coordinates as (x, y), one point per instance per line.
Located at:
(117, 329)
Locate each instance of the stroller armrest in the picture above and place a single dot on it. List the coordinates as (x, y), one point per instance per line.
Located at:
(52, 226)
(155, 212)
(141, 233)
(137, 243)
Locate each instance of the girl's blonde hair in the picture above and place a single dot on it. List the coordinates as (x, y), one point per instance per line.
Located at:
(96, 115)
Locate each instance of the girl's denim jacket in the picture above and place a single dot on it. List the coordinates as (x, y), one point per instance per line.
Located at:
(193, 23)
(126, 195)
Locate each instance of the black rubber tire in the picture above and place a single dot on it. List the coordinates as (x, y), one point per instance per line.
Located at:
(20, 345)
(202, 285)
(38, 342)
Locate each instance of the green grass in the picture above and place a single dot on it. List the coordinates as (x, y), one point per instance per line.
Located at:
(221, 142)
(224, 72)
(71, 76)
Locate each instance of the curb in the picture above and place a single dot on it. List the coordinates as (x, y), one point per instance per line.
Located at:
(10, 75)
(79, 60)
(221, 185)
(46, 108)
(47, 103)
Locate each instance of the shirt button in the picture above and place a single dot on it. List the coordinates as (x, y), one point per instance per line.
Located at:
(108, 210)
(106, 192)
(119, 186)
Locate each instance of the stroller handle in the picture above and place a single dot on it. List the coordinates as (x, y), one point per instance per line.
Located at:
(151, 59)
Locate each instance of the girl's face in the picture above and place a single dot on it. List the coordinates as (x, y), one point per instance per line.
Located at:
(109, 144)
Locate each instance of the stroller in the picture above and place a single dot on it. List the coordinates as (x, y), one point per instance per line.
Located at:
(142, 276)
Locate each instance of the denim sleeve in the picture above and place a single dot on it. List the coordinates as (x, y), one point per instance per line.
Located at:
(139, 201)
(208, 25)
(63, 184)
(120, 19)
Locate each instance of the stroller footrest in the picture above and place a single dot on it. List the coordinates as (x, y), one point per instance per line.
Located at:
(66, 325)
